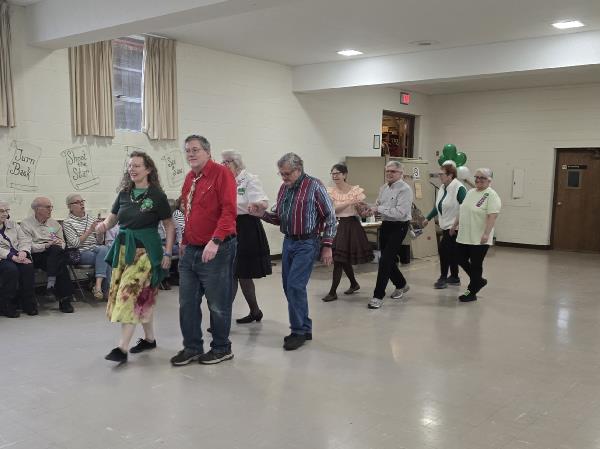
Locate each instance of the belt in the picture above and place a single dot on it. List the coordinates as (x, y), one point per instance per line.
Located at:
(300, 236)
(226, 239)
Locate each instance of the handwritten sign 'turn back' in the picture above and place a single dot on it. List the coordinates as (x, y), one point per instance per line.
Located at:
(79, 167)
(22, 165)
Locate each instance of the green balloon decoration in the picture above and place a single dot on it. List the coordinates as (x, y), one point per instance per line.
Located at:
(461, 159)
(450, 153)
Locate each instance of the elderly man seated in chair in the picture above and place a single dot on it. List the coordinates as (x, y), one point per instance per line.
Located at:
(48, 250)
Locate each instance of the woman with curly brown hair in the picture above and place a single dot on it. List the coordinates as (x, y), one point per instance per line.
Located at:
(136, 256)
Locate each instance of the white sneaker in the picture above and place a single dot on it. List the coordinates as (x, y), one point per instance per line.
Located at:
(399, 292)
(375, 303)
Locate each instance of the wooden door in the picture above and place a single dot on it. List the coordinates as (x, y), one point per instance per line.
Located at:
(576, 216)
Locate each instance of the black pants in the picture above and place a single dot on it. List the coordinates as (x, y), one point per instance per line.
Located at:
(448, 255)
(471, 260)
(16, 286)
(54, 262)
(391, 235)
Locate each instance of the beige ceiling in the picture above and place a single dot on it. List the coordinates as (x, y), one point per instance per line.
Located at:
(311, 31)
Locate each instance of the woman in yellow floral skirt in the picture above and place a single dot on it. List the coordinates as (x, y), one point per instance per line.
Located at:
(137, 257)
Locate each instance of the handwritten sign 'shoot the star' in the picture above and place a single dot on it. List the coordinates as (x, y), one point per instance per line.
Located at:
(79, 167)
(174, 168)
(22, 165)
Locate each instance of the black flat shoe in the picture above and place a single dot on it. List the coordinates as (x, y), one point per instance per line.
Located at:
(116, 355)
(329, 297)
(352, 289)
(250, 318)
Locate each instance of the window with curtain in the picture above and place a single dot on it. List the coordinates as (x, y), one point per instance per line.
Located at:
(128, 60)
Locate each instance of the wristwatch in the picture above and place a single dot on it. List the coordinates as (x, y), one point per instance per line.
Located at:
(217, 240)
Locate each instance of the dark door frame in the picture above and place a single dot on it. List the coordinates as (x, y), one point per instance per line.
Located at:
(411, 118)
(557, 152)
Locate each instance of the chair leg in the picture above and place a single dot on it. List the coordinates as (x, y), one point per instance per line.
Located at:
(76, 280)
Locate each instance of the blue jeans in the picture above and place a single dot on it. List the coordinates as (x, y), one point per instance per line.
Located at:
(96, 257)
(297, 264)
(215, 280)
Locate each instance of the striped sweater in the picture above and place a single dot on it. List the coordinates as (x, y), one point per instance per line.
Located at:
(74, 227)
(304, 208)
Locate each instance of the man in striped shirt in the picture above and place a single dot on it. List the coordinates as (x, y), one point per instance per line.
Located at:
(306, 216)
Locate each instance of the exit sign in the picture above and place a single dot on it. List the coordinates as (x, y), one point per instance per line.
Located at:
(404, 98)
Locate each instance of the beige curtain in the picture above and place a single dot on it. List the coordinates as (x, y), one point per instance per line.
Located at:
(7, 100)
(160, 89)
(92, 104)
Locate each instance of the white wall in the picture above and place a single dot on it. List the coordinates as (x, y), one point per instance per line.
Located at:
(234, 101)
(518, 128)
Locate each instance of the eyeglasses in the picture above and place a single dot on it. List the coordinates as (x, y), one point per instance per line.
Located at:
(285, 174)
(227, 161)
(335, 173)
(392, 171)
(4, 211)
(80, 202)
(192, 150)
(46, 207)
(481, 178)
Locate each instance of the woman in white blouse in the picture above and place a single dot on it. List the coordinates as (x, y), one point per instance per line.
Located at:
(350, 246)
(253, 259)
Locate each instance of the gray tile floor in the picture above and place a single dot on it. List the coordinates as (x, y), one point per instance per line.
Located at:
(519, 369)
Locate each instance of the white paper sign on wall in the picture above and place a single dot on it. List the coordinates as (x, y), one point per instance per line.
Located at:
(79, 167)
(21, 168)
(416, 173)
(174, 167)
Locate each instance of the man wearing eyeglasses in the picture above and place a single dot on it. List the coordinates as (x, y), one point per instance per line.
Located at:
(209, 201)
(48, 250)
(305, 214)
(394, 203)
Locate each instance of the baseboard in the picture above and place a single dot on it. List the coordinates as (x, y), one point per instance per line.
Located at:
(522, 245)
(275, 257)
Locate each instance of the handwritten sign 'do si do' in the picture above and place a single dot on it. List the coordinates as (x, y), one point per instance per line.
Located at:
(21, 168)
(174, 165)
(79, 167)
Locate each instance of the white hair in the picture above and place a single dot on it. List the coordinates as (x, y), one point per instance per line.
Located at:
(293, 160)
(235, 156)
(487, 172)
(449, 162)
(71, 197)
(4, 204)
(396, 164)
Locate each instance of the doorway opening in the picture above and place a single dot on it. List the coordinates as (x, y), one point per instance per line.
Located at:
(575, 221)
(397, 134)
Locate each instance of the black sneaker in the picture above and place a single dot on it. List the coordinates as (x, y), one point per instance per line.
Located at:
(440, 283)
(453, 280)
(483, 283)
(211, 357)
(143, 345)
(293, 341)
(184, 357)
(116, 355)
(307, 336)
(467, 297)
(65, 306)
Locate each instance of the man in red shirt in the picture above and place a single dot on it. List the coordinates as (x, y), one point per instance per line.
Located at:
(209, 243)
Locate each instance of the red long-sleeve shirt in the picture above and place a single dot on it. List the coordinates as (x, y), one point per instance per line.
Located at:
(214, 206)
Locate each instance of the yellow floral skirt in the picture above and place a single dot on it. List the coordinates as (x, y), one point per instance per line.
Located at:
(131, 299)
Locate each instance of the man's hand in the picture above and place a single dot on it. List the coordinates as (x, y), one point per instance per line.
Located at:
(326, 255)
(210, 251)
(256, 209)
(166, 263)
(484, 238)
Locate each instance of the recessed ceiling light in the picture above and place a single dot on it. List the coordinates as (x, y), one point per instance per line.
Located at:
(349, 52)
(565, 25)
(424, 43)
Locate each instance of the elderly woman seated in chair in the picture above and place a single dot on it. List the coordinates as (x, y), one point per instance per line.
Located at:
(16, 269)
(80, 233)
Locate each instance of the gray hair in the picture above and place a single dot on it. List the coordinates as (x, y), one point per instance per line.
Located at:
(235, 156)
(487, 172)
(71, 197)
(36, 201)
(293, 160)
(204, 143)
(396, 164)
(4, 204)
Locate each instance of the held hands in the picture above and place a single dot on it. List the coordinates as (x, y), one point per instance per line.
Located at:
(21, 257)
(210, 251)
(326, 255)
(256, 209)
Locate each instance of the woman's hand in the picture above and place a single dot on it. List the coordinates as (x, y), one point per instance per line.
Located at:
(166, 263)
(484, 238)
(425, 223)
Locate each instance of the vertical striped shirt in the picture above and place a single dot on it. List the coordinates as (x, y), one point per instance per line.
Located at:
(304, 208)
